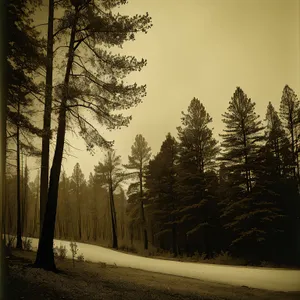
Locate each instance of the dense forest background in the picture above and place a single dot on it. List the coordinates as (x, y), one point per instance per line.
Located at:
(238, 194)
(195, 195)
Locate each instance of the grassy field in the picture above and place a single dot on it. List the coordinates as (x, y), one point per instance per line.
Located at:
(100, 281)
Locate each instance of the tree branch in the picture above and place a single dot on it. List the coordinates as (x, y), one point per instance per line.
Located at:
(59, 30)
(59, 48)
(79, 42)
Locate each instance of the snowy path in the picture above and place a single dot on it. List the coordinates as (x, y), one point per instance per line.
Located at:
(261, 278)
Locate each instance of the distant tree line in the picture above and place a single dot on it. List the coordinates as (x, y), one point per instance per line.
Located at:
(195, 195)
(241, 196)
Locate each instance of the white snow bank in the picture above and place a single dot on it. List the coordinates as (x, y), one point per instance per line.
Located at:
(269, 279)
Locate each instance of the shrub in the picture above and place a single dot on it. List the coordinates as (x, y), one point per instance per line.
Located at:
(267, 264)
(74, 250)
(60, 252)
(11, 242)
(199, 256)
(80, 258)
(224, 258)
(27, 244)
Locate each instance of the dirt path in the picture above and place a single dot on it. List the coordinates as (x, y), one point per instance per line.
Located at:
(99, 281)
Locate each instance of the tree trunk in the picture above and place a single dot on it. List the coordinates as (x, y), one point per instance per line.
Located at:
(131, 236)
(24, 206)
(187, 246)
(95, 227)
(143, 212)
(45, 255)
(36, 209)
(19, 229)
(47, 117)
(174, 240)
(3, 102)
(79, 212)
(113, 216)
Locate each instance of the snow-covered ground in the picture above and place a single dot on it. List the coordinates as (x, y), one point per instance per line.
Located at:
(261, 278)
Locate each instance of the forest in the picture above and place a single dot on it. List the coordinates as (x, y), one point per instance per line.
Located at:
(236, 194)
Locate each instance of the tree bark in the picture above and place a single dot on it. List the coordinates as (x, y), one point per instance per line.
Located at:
(47, 117)
(45, 255)
(19, 229)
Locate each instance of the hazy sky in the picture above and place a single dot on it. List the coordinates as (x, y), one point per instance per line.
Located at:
(204, 49)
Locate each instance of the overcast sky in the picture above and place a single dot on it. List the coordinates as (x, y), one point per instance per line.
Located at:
(204, 49)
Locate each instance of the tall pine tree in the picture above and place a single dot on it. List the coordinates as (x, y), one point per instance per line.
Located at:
(137, 162)
(197, 157)
(246, 213)
(93, 82)
(160, 185)
(289, 113)
(111, 174)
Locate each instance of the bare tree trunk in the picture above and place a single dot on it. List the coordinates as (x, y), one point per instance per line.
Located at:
(19, 229)
(45, 255)
(144, 228)
(47, 117)
(24, 202)
(35, 221)
(10, 220)
(113, 216)
(95, 228)
(79, 213)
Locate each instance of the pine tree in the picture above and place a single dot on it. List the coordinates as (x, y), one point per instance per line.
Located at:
(289, 113)
(137, 162)
(92, 81)
(160, 185)
(25, 193)
(120, 205)
(100, 195)
(242, 137)
(47, 115)
(224, 192)
(35, 191)
(197, 156)
(24, 56)
(278, 143)
(242, 151)
(266, 214)
(111, 175)
(274, 172)
(92, 185)
(77, 185)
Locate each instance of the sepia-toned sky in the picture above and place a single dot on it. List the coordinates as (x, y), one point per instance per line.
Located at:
(204, 49)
